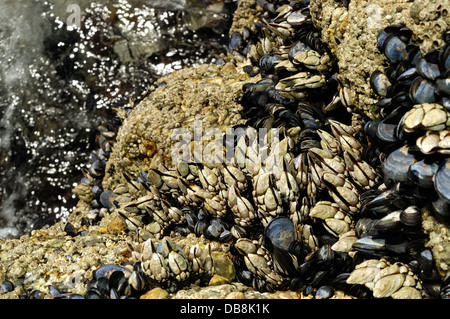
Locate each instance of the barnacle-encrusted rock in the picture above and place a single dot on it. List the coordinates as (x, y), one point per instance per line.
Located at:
(206, 93)
(439, 241)
(351, 34)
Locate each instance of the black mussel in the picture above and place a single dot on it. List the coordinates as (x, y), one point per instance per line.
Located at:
(107, 199)
(137, 280)
(236, 41)
(96, 191)
(422, 91)
(396, 244)
(320, 278)
(191, 219)
(119, 283)
(71, 230)
(445, 288)
(395, 49)
(386, 132)
(225, 236)
(200, 227)
(97, 168)
(446, 103)
(36, 294)
(107, 270)
(390, 222)
(443, 86)
(69, 296)
(366, 227)
(102, 284)
(397, 164)
(372, 201)
(371, 246)
(426, 262)
(280, 232)
(54, 291)
(411, 216)
(371, 127)
(422, 173)
(6, 286)
(325, 256)
(379, 83)
(394, 29)
(442, 180)
(93, 294)
(324, 292)
(413, 53)
(441, 206)
(381, 38)
(268, 62)
(203, 214)
(408, 75)
(214, 229)
(427, 69)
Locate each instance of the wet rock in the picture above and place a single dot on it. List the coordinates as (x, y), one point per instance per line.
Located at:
(206, 93)
(155, 293)
(218, 280)
(351, 33)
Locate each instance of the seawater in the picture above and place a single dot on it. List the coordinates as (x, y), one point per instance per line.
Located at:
(60, 80)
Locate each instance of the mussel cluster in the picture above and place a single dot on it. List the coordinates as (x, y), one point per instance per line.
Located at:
(314, 214)
(90, 188)
(410, 143)
(413, 130)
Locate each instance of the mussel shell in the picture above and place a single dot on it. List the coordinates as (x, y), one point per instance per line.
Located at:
(395, 49)
(426, 262)
(281, 232)
(107, 270)
(442, 207)
(267, 62)
(389, 223)
(6, 286)
(386, 132)
(370, 245)
(442, 180)
(397, 245)
(427, 69)
(93, 294)
(200, 227)
(413, 53)
(445, 288)
(236, 41)
(379, 83)
(443, 86)
(107, 199)
(366, 227)
(324, 292)
(422, 91)
(422, 173)
(397, 164)
(411, 216)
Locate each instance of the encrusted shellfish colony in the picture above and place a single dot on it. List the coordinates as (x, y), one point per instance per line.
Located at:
(330, 202)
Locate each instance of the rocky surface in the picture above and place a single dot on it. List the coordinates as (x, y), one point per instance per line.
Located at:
(51, 257)
(351, 35)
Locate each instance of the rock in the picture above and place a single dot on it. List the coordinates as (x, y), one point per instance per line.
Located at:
(155, 293)
(235, 295)
(351, 35)
(116, 226)
(218, 280)
(223, 265)
(206, 93)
